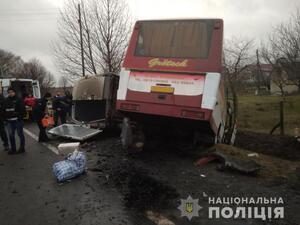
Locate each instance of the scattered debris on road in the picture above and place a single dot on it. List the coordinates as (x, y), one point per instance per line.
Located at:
(253, 155)
(67, 148)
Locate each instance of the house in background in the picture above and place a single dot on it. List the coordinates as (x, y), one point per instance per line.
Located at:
(62, 90)
(257, 77)
(287, 89)
(280, 83)
(285, 75)
(266, 78)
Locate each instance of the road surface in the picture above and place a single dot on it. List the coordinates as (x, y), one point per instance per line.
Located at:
(30, 194)
(125, 190)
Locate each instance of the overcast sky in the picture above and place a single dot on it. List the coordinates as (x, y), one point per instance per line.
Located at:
(27, 27)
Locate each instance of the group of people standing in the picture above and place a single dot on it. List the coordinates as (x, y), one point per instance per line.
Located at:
(12, 112)
(61, 106)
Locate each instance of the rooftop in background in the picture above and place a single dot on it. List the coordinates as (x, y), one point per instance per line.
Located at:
(264, 67)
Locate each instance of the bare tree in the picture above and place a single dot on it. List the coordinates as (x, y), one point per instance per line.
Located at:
(283, 49)
(13, 66)
(34, 69)
(47, 83)
(261, 78)
(63, 82)
(280, 79)
(10, 64)
(106, 26)
(237, 55)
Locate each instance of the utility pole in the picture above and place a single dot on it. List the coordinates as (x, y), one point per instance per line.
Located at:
(258, 71)
(81, 41)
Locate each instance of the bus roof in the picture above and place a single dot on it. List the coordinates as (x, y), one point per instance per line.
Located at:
(191, 45)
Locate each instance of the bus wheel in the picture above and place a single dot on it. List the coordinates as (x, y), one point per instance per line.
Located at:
(132, 137)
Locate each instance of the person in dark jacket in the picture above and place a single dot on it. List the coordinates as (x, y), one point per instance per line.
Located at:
(60, 109)
(69, 101)
(39, 112)
(3, 133)
(14, 112)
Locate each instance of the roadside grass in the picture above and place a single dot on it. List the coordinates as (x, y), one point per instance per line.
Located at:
(261, 113)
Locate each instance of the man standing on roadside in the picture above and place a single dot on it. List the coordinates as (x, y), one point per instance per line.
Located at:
(3, 133)
(14, 112)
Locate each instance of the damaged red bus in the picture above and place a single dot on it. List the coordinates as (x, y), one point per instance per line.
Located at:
(171, 80)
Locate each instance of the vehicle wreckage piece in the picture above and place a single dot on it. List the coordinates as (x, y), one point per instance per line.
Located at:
(75, 132)
(67, 148)
(249, 167)
(243, 166)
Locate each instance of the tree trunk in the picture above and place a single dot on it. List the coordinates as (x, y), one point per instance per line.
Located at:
(235, 98)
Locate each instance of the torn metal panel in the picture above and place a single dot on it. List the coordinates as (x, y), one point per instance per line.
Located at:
(75, 132)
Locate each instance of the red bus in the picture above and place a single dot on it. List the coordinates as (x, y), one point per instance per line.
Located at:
(172, 79)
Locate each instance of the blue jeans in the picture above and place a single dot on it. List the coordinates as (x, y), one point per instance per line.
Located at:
(13, 126)
(3, 134)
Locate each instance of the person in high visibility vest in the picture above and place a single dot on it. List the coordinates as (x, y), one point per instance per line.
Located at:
(39, 112)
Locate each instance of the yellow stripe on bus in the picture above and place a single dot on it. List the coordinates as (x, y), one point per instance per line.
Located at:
(162, 89)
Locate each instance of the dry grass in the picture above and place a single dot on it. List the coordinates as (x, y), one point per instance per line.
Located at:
(261, 113)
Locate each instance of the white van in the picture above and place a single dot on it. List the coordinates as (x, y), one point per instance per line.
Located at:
(23, 87)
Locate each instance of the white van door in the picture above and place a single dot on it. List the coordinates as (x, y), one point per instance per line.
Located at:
(36, 89)
(5, 83)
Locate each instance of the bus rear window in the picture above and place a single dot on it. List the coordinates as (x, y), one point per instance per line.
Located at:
(174, 39)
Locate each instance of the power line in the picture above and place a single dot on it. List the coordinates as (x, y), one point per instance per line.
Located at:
(28, 10)
(28, 19)
(28, 15)
(25, 21)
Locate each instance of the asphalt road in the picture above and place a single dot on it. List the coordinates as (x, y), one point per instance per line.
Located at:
(119, 189)
(30, 194)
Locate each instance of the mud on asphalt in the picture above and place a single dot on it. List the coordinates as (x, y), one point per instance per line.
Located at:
(157, 178)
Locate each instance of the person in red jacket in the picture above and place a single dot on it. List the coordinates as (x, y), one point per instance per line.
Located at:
(29, 100)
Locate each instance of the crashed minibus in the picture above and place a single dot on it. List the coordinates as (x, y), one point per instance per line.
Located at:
(171, 80)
